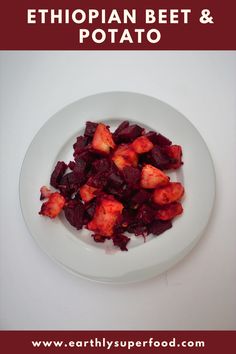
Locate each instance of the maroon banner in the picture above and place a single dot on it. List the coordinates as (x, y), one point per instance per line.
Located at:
(118, 25)
(118, 341)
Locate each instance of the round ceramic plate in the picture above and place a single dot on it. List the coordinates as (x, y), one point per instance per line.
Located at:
(76, 250)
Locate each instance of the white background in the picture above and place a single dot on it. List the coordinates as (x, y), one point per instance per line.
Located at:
(198, 293)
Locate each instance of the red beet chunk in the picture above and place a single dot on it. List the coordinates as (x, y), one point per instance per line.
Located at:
(119, 229)
(122, 193)
(90, 129)
(139, 198)
(80, 144)
(121, 241)
(98, 180)
(159, 158)
(158, 139)
(145, 214)
(71, 165)
(115, 180)
(139, 229)
(69, 184)
(152, 136)
(162, 140)
(85, 154)
(102, 165)
(74, 213)
(128, 217)
(57, 173)
(128, 134)
(157, 227)
(132, 176)
(79, 170)
(116, 191)
(90, 209)
(122, 126)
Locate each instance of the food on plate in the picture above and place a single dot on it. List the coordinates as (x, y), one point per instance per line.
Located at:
(169, 211)
(53, 206)
(142, 145)
(117, 184)
(45, 192)
(172, 192)
(87, 192)
(152, 177)
(107, 211)
(102, 139)
(125, 156)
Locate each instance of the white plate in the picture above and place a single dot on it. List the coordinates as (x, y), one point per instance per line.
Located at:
(76, 250)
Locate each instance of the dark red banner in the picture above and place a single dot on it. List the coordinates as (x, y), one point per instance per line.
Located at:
(118, 341)
(118, 25)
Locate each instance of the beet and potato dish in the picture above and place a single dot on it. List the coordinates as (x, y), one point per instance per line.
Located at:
(117, 184)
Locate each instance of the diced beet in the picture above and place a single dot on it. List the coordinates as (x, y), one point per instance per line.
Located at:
(132, 176)
(139, 198)
(123, 193)
(138, 229)
(57, 173)
(68, 184)
(80, 170)
(119, 229)
(115, 180)
(90, 208)
(145, 214)
(90, 129)
(158, 158)
(77, 196)
(102, 165)
(116, 191)
(68, 179)
(121, 241)
(152, 136)
(128, 134)
(153, 205)
(157, 227)
(86, 154)
(81, 142)
(71, 165)
(99, 180)
(158, 139)
(162, 140)
(128, 217)
(122, 126)
(74, 213)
